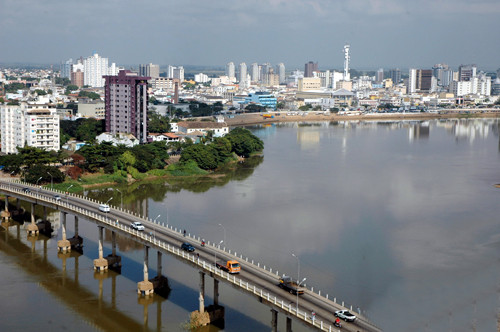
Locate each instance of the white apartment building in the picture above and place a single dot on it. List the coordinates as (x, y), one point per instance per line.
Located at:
(230, 70)
(29, 124)
(201, 78)
(95, 68)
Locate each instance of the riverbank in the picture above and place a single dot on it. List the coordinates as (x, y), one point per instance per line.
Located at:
(257, 118)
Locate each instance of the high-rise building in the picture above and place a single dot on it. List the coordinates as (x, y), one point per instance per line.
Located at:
(421, 80)
(29, 124)
(243, 74)
(230, 71)
(347, 62)
(380, 75)
(264, 72)
(254, 73)
(280, 70)
(126, 102)
(77, 78)
(309, 68)
(95, 67)
(466, 72)
(438, 72)
(150, 70)
(66, 68)
(201, 78)
(395, 75)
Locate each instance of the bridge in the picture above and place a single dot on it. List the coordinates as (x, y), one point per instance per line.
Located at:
(254, 279)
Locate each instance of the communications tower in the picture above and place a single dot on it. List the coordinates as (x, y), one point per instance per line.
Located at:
(347, 59)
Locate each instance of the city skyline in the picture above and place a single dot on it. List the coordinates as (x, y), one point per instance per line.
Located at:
(382, 33)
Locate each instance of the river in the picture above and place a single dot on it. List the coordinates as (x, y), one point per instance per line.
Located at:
(398, 219)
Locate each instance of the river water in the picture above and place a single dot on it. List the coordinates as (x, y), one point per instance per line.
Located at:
(397, 219)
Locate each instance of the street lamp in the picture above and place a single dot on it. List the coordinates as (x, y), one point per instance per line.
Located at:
(154, 222)
(121, 197)
(108, 200)
(51, 181)
(298, 278)
(67, 192)
(216, 252)
(41, 177)
(224, 233)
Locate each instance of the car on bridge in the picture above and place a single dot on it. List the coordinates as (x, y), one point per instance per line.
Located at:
(345, 315)
(187, 247)
(137, 226)
(104, 208)
(57, 197)
(26, 190)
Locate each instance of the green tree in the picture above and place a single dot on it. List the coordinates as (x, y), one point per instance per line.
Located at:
(243, 142)
(91, 95)
(38, 174)
(203, 155)
(127, 159)
(158, 123)
(40, 92)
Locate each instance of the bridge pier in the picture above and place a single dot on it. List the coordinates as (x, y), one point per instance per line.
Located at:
(32, 228)
(216, 292)
(62, 245)
(76, 241)
(5, 213)
(288, 324)
(274, 320)
(100, 264)
(202, 292)
(145, 287)
(160, 283)
(114, 261)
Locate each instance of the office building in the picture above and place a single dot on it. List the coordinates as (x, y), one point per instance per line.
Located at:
(395, 75)
(29, 124)
(95, 67)
(380, 75)
(150, 70)
(230, 71)
(466, 72)
(280, 70)
(126, 103)
(421, 80)
(261, 98)
(309, 68)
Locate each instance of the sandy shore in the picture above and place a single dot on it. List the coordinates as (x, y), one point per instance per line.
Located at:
(256, 118)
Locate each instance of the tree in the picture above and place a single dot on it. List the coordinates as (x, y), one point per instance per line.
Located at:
(158, 123)
(243, 142)
(40, 92)
(203, 155)
(280, 105)
(255, 108)
(38, 173)
(91, 95)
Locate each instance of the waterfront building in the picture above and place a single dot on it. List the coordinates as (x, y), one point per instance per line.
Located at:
(95, 67)
(309, 68)
(150, 70)
(126, 103)
(261, 98)
(219, 129)
(230, 70)
(33, 125)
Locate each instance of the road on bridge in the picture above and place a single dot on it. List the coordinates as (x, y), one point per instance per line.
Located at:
(308, 302)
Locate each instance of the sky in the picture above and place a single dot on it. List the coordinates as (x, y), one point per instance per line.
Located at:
(382, 33)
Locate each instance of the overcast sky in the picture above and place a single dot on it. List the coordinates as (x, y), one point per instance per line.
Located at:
(382, 33)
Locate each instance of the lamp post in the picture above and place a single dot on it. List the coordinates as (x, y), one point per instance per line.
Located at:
(298, 278)
(224, 233)
(121, 197)
(154, 222)
(41, 177)
(51, 181)
(106, 204)
(67, 192)
(222, 241)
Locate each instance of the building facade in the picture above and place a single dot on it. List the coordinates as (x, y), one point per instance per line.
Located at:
(230, 70)
(309, 68)
(243, 74)
(126, 103)
(280, 70)
(29, 124)
(150, 70)
(95, 67)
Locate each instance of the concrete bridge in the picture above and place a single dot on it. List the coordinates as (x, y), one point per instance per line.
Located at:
(255, 279)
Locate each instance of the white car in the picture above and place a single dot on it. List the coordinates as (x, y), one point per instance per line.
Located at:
(345, 315)
(104, 208)
(137, 226)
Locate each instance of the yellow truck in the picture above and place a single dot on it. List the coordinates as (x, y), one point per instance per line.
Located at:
(229, 266)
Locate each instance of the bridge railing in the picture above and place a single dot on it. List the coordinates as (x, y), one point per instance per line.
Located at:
(175, 250)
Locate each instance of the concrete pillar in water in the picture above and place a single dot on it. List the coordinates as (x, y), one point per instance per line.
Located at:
(6, 203)
(145, 287)
(100, 264)
(288, 324)
(113, 243)
(63, 245)
(76, 226)
(32, 228)
(202, 292)
(216, 292)
(274, 320)
(158, 263)
(6, 214)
